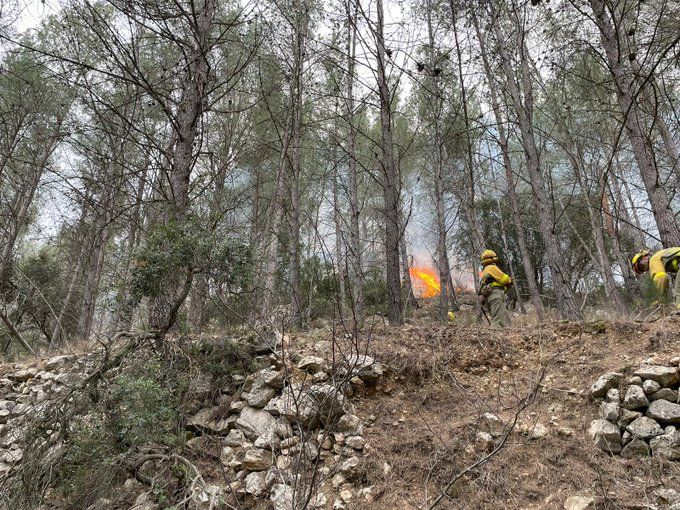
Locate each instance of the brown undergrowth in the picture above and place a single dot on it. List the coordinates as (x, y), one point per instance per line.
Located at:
(442, 379)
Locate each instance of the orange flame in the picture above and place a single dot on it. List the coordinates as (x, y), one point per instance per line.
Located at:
(425, 282)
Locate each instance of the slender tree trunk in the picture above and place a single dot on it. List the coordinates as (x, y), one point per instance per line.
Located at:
(354, 254)
(126, 304)
(523, 105)
(390, 179)
(636, 126)
(174, 290)
(340, 258)
(287, 178)
(438, 151)
(528, 266)
(476, 238)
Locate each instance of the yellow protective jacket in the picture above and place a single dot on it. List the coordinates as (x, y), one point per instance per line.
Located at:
(664, 262)
(495, 277)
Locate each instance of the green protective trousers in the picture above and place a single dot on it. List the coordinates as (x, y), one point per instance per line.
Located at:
(676, 291)
(495, 305)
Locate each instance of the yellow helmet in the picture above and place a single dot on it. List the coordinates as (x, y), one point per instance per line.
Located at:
(489, 257)
(636, 258)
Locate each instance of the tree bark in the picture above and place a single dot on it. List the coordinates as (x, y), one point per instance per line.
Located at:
(390, 178)
(185, 127)
(523, 104)
(635, 125)
(355, 248)
(534, 294)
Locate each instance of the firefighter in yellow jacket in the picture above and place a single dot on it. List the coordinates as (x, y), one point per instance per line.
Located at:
(492, 288)
(660, 264)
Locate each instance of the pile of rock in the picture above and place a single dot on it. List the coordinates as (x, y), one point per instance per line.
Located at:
(289, 422)
(22, 389)
(639, 416)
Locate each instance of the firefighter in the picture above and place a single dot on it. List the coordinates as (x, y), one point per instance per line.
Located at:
(492, 287)
(661, 265)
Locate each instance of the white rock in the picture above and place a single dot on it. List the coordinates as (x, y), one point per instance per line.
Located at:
(665, 376)
(350, 424)
(635, 398)
(607, 381)
(255, 483)
(636, 448)
(312, 364)
(644, 428)
(666, 445)
(610, 411)
(356, 442)
(606, 435)
(664, 411)
(494, 424)
(257, 422)
(257, 459)
(579, 503)
(650, 387)
(281, 497)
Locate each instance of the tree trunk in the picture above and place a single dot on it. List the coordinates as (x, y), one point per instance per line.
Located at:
(523, 105)
(390, 179)
(355, 249)
(528, 266)
(171, 296)
(636, 127)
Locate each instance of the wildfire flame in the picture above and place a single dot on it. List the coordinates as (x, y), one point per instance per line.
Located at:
(425, 282)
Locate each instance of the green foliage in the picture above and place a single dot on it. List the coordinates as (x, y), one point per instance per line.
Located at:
(223, 359)
(176, 247)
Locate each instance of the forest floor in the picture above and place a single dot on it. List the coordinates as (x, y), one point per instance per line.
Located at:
(422, 419)
(442, 379)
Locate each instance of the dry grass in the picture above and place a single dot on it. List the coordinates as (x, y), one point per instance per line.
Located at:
(443, 378)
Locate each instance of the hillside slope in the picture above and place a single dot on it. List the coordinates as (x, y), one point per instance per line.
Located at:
(503, 412)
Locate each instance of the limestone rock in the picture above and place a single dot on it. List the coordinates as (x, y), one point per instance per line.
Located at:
(273, 378)
(260, 395)
(485, 439)
(664, 411)
(644, 428)
(637, 448)
(356, 442)
(494, 424)
(579, 503)
(667, 446)
(23, 375)
(606, 436)
(210, 420)
(281, 497)
(626, 417)
(649, 386)
(255, 483)
(665, 376)
(257, 422)
(665, 394)
(234, 438)
(607, 381)
(364, 367)
(312, 364)
(635, 398)
(351, 469)
(350, 424)
(257, 459)
(330, 402)
(610, 411)
(613, 395)
(635, 380)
